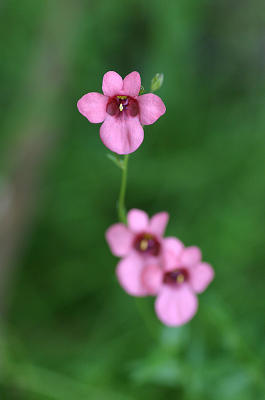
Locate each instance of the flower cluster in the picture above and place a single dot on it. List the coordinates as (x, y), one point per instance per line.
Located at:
(154, 265)
(150, 264)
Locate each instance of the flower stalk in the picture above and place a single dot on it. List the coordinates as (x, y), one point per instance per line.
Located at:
(121, 202)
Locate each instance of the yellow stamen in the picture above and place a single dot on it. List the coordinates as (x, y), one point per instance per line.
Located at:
(122, 97)
(143, 244)
(180, 278)
(121, 107)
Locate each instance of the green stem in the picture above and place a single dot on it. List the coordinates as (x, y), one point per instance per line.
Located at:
(121, 201)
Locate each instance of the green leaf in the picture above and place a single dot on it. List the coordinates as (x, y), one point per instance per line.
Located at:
(116, 160)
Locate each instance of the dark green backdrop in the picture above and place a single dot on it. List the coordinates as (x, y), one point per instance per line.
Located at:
(68, 331)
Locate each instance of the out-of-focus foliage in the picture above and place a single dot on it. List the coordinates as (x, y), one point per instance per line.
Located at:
(70, 332)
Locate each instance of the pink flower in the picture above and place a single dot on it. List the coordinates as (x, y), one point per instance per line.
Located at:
(122, 111)
(176, 284)
(139, 243)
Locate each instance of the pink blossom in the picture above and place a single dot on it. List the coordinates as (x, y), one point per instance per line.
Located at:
(181, 277)
(122, 111)
(138, 243)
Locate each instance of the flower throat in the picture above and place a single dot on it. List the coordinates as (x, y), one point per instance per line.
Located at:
(122, 105)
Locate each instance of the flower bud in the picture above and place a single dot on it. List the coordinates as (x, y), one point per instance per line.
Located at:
(157, 82)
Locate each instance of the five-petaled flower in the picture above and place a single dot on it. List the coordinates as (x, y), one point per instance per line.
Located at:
(122, 111)
(182, 276)
(140, 243)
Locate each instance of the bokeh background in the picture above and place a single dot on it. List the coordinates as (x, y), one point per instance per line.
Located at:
(68, 331)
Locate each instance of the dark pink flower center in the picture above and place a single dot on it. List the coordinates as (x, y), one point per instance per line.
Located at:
(120, 105)
(176, 277)
(147, 243)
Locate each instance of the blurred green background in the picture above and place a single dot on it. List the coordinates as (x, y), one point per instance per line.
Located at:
(68, 331)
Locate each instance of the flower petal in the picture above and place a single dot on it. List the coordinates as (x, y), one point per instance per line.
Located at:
(152, 278)
(119, 239)
(93, 107)
(132, 84)
(172, 249)
(200, 277)
(137, 220)
(158, 223)
(122, 135)
(151, 108)
(190, 256)
(175, 307)
(112, 84)
(129, 273)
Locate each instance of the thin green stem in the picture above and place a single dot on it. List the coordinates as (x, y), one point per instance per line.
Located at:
(121, 201)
